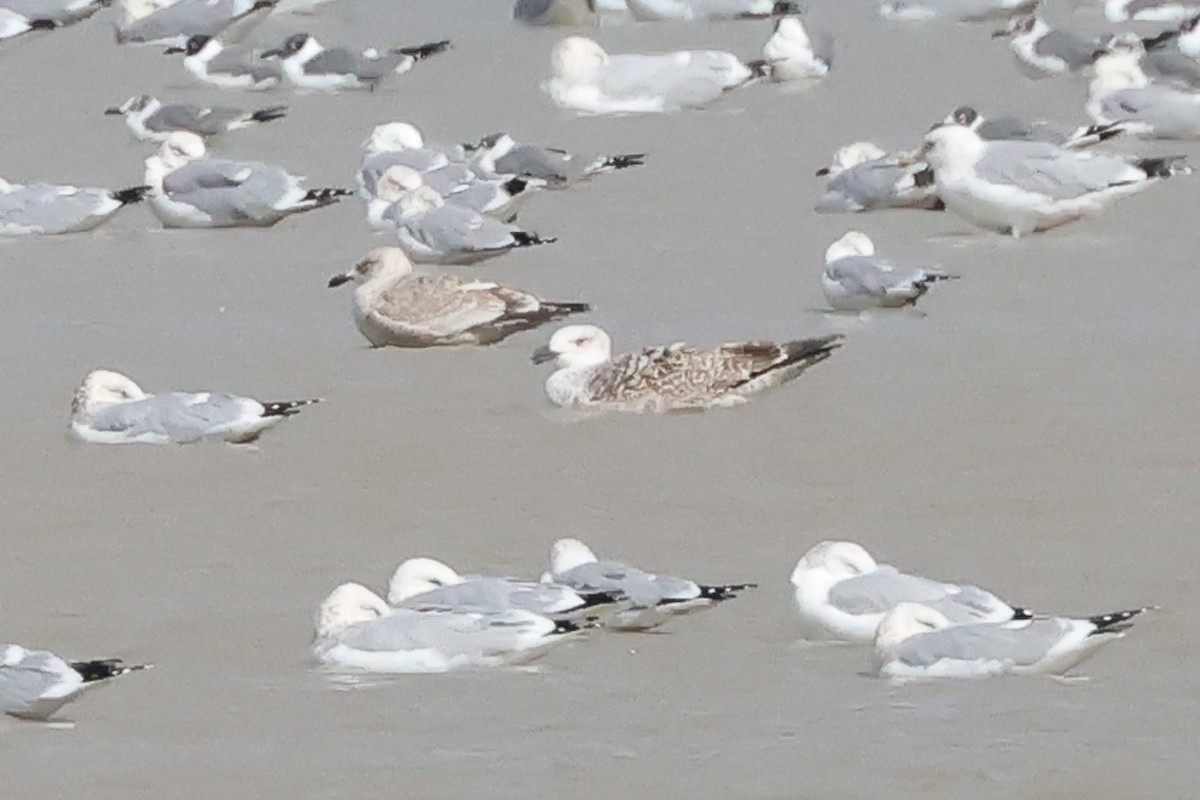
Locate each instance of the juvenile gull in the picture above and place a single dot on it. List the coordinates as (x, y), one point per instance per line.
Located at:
(392, 306)
(855, 279)
(1012, 129)
(1021, 187)
(842, 593)
(652, 598)
(310, 65)
(430, 230)
(109, 408)
(655, 10)
(189, 190)
(35, 683)
(423, 583)
(151, 120)
(916, 641)
(862, 177)
(176, 23)
(959, 10)
(676, 377)
(1122, 93)
(356, 629)
(792, 53)
(587, 79)
(43, 208)
(209, 61)
(500, 154)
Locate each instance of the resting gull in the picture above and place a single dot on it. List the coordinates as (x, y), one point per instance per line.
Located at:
(392, 306)
(57, 12)
(151, 120)
(855, 279)
(793, 53)
(958, 10)
(310, 65)
(174, 24)
(676, 377)
(1122, 93)
(862, 177)
(44, 208)
(209, 61)
(1149, 10)
(842, 593)
(916, 641)
(688, 10)
(35, 683)
(501, 154)
(109, 408)
(1042, 51)
(356, 629)
(1012, 129)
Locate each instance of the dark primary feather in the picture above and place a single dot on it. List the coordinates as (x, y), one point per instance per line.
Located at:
(286, 408)
(1117, 621)
(133, 194)
(104, 668)
(424, 50)
(725, 592)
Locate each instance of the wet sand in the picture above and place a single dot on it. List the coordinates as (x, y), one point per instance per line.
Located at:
(1034, 433)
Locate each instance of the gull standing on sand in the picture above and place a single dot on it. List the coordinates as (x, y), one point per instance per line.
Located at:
(35, 683)
(1022, 187)
(430, 230)
(423, 583)
(587, 79)
(690, 10)
(916, 641)
(500, 154)
(151, 120)
(310, 65)
(43, 208)
(676, 377)
(793, 54)
(652, 598)
(842, 593)
(392, 306)
(862, 177)
(356, 629)
(855, 279)
(189, 190)
(109, 408)
(209, 61)
(174, 24)
(959, 10)
(1122, 93)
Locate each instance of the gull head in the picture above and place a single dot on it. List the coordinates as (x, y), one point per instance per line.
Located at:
(387, 262)
(965, 116)
(850, 156)
(198, 45)
(907, 620)
(1021, 26)
(952, 147)
(1118, 65)
(833, 561)
(417, 576)
(577, 59)
(179, 148)
(575, 346)
(404, 185)
(134, 105)
(104, 387)
(854, 243)
(302, 46)
(348, 604)
(567, 554)
(394, 137)
(497, 145)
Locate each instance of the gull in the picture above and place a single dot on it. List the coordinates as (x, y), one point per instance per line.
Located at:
(13, 25)
(209, 61)
(842, 593)
(58, 12)
(396, 144)
(356, 629)
(1022, 187)
(587, 79)
(655, 10)
(1122, 93)
(501, 154)
(109, 408)
(1173, 56)
(174, 24)
(189, 190)
(862, 177)
(793, 54)
(676, 377)
(430, 230)
(310, 65)
(1149, 10)
(35, 683)
(1042, 51)
(151, 120)
(916, 641)
(1012, 129)
(43, 208)
(652, 598)
(425, 583)
(855, 279)
(495, 198)
(959, 10)
(392, 306)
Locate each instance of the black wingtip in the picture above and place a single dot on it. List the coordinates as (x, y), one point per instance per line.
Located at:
(601, 599)
(286, 408)
(784, 7)
(760, 68)
(269, 114)
(1165, 166)
(425, 50)
(326, 196)
(527, 239)
(134, 194)
(515, 185)
(1117, 621)
(42, 25)
(104, 668)
(1022, 613)
(563, 626)
(625, 161)
(725, 592)
(565, 309)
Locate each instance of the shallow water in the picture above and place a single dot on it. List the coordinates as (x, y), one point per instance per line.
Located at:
(1034, 433)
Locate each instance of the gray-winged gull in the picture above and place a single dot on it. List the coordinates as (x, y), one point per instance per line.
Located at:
(856, 279)
(209, 61)
(44, 208)
(151, 120)
(35, 683)
(310, 65)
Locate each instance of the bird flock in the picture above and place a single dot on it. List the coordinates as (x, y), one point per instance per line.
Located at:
(458, 205)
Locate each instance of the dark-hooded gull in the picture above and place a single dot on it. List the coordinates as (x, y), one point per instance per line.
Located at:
(208, 60)
(310, 65)
(151, 120)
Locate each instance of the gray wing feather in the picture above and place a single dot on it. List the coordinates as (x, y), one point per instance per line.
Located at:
(204, 121)
(661, 75)
(455, 229)
(1074, 50)
(866, 186)
(1020, 644)
(45, 208)
(1170, 112)
(177, 416)
(450, 633)
(183, 19)
(23, 684)
(1049, 170)
(498, 593)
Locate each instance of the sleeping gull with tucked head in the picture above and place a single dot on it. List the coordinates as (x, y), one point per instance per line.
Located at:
(190, 190)
(587, 79)
(1021, 187)
(356, 629)
(676, 377)
(310, 65)
(151, 120)
(34, 683)
(109, 408)
(842, 593)
(423, 583)
(395, 144)
(652, 599)
(862, 177)
(209, 61)
(855, 279)
(44, 208)
(916, 641)
(793, 54)
(392, 306)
